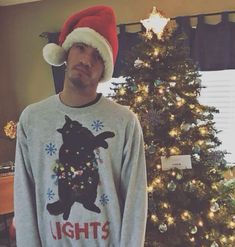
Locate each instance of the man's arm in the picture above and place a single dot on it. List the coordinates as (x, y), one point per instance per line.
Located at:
(134, 188)
(24, 195)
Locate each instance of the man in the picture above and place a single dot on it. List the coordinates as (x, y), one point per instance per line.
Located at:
(80, 176)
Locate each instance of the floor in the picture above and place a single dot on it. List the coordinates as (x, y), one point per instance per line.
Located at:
(4, 240)
(3, 235)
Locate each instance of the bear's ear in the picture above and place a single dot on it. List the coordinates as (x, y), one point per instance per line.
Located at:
(67, 119)
(60, 130)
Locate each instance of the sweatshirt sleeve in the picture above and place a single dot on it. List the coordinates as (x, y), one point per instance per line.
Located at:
(134, 188)
(24, 194)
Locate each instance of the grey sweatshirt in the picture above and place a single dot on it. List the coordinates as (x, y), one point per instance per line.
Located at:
(80, 177)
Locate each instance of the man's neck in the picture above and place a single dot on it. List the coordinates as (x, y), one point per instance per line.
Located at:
(76, 98)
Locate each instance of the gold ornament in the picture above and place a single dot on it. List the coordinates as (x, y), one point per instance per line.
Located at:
(10, 129)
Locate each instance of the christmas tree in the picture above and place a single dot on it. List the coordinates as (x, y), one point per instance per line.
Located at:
(192, 205)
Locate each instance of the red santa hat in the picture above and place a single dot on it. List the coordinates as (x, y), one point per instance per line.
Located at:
(95, 26)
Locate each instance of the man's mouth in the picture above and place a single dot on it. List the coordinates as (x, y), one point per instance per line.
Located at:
(81, 69)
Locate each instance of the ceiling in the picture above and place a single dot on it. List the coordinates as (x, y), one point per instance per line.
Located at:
(14, 2)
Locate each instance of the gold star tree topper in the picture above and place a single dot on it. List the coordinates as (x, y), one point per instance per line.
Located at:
(156, 22)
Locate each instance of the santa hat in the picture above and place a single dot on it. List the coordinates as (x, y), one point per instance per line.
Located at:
(95, 26)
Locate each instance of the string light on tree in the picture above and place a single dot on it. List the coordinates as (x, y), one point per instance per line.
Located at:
(139, 99)
(170, 219)
(203, 131)
(174, 132)
(180, 102)
(174, 151)
(150, 189)
(211, 215)
(159, 167)
(185, 216)
(122, 91)
(156, 52)
(200, 223)
(154, 218)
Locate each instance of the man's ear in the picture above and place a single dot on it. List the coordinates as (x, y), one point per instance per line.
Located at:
(102, 75)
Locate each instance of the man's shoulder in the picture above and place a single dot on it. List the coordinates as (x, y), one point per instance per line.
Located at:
(117, 108)
(39, 107)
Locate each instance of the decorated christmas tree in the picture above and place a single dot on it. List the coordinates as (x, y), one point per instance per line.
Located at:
(190, 202)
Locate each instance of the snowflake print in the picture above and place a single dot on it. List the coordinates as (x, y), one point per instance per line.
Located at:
(50, 149)
(104, 199)
(50, 194)
(97, 125)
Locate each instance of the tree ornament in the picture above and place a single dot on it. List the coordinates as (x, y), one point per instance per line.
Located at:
(214, 244)
(171, 186)
(233, 218)
(189, 187)
(196, 156)
(196, 149)
(152, 148)
(193, 230)
(134, 87)
(185, 126)
(153, 118)
(223, 162)
(162, 227)
(157, 82)
(10, 129)
(138, 63)
(179, 176)
(214, 207)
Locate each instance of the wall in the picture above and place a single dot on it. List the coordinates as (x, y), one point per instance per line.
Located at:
(25, 77)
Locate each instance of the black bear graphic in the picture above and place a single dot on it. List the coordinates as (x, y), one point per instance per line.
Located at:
(77, 168)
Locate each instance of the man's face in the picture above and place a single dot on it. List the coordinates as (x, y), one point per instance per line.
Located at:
(85, 66)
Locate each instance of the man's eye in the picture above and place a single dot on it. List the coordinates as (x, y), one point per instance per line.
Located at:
(80, 46)
(97, 57)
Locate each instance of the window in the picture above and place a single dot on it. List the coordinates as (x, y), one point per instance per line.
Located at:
(220, 93)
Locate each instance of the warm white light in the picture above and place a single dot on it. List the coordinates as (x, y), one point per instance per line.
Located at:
(154, 218)
(122, 91)
(156, 22)
(159, 167)
(174, 132)
(200, 223)
(174, 151)
(150, 189)
(170, 220)
(139, 99)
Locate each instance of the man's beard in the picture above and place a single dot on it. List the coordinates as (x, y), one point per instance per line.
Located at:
(78, 82)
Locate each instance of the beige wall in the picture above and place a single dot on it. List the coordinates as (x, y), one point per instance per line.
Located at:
(24, 76)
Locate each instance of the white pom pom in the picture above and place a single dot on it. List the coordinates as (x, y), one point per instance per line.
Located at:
(54, 54)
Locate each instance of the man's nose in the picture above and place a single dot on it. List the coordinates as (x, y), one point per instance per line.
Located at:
(87, 59)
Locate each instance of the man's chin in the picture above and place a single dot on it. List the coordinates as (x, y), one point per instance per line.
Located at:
(78, 82)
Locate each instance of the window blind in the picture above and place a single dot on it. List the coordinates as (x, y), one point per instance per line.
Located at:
(220, 93)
